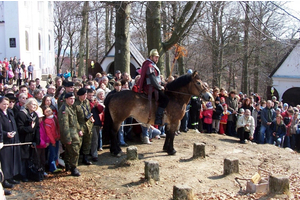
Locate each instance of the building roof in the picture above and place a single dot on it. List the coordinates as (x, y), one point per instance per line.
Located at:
(134, 53)
(283, 59)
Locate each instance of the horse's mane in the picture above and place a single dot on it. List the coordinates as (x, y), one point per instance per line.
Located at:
(179, 82)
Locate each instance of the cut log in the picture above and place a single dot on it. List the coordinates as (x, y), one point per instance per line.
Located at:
(152, 170)
(199, 150)
(132, 153)
(231, 166)
(279, 185)
(182, 192)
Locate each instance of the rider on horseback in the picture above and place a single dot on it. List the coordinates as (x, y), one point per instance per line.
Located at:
(150, 83)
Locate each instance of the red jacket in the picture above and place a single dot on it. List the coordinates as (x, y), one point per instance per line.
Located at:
(143, 86)
(44, 139)
(207, 114)
(52, 129)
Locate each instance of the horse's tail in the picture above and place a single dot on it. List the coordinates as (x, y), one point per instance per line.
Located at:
(107, 127)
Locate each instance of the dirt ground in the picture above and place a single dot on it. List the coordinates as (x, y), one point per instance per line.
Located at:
(117, 178)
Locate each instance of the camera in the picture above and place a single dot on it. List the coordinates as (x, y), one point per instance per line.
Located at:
(88, 117)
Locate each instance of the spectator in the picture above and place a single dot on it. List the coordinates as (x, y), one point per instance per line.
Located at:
(44, 142)
(10, 156)
(97, 110)
(70, 133)
(28, 128)
(37, 82)
(19, 74)
(86, 121)
(257, 120)
(267, 116)
(247, 104)
(287, 117)
(293, 128)
(278, 130)
(195, 107)
(69, 87)
(118, 75)
(66, 75)
(232, 104)
(53, 132)
(245, 126)
(32, 87)
(30, 71)
(207, 114)
(38, 95)
(217, 114)
(58, 81)
(223, 121)
(60, 74)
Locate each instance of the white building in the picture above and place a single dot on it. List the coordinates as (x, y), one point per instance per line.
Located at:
(26, 31)
(286, 77)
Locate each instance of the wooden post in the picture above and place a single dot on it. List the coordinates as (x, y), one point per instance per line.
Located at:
(199, 150)
(182, 192)
(132, 153)
(152, 170)
(279, 185)
(231, 166)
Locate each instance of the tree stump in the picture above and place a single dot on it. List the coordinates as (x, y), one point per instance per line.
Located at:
(182, 192)
(132, 153)
(152, 170)
(279, 185)
(199, 150)
(231, 166)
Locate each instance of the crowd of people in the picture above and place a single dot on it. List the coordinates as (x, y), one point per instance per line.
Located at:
(52, 126)
(249, 118)
(15, 70)
(57, 123)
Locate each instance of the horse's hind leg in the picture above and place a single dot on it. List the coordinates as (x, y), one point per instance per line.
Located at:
(114, 144)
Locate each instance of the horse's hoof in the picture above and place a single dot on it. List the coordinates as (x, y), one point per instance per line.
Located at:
(173, 152)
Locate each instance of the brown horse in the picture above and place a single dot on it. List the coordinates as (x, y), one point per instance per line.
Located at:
(124, 104)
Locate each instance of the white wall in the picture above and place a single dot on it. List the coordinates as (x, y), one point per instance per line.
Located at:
(34, 17)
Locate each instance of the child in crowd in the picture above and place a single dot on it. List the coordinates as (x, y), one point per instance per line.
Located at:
(217, 113)
(223, 121)
(207, 114)
(44, 142)
(52, 131)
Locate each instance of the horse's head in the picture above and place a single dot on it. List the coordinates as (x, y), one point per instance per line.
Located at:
(199, 88)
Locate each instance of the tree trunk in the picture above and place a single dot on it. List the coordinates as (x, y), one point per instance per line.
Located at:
(83, 33)
(107, 28)
(122, 43)
(87, 50)
(153, 28)
(244, 87)
(215, 45)
(97, 36)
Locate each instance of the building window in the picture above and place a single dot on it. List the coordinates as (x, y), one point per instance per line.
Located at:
(49, 40)
(39, 41)
(26, 41)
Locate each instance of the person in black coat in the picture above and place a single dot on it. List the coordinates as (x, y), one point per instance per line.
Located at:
(217, 114)
(29, 131)
(10, 156)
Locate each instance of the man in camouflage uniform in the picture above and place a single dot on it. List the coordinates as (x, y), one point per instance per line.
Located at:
(70, 133)
(86, 121)
(69, 87)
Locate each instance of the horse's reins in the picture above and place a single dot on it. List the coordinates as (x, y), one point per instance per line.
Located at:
(177, 92)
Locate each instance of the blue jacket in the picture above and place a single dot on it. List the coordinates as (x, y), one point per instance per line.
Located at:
(281, 130)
